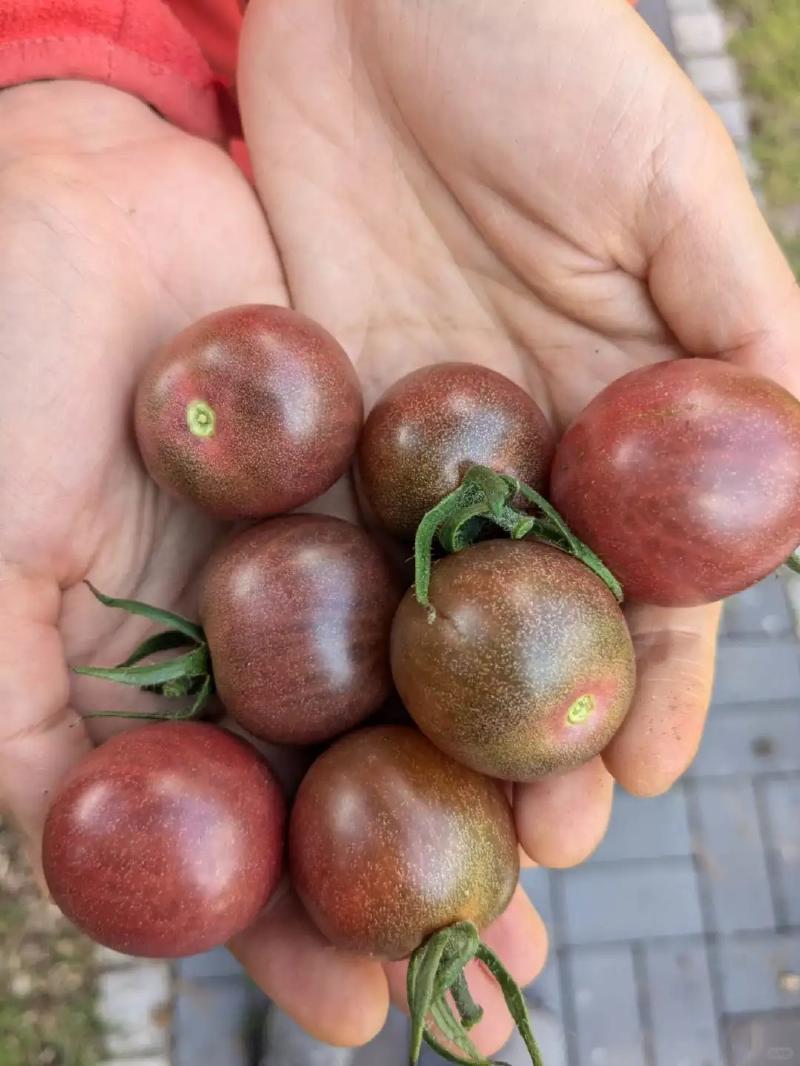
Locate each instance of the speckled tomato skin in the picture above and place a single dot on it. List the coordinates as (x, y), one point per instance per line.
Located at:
(297, 612)
(166, 840)
(685, 478)
(288, 411)
(390, 841)
(432, 425)
(522, 632)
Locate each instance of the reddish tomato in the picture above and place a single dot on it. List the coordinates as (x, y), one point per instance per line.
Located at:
(528, 666)
(432, 425)
(390, 841)
(249, 412)
(297, 612)
(165, 841)
(685, 479)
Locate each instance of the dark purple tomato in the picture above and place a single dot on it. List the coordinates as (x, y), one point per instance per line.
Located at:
(528, 666)
(297, 612)
(390, 841)
(685, 479)
(166, 840)
(432, 425)
(249, 412)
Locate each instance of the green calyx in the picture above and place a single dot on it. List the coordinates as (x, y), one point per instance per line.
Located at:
(436, 971)
(484, 499)
(185, 676)
(793, 562)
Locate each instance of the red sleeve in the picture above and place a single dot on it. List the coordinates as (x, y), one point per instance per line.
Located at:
(215, 25)
(139, 46)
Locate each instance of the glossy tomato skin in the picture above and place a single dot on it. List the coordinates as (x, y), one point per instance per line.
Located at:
(249, 412)
(528, 667)
(297, 612)
(685, 478)
(390, 841)
(432, 425)
(166, 840)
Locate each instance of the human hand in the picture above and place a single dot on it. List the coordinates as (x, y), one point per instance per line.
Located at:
(117, 230)
(536, 187)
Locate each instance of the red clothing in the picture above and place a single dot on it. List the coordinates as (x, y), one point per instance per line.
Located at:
(177, 55)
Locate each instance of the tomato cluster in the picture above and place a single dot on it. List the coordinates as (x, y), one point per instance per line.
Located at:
(510, 652)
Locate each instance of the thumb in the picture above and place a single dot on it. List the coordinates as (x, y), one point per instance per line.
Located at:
(40, 736)
(716, 272)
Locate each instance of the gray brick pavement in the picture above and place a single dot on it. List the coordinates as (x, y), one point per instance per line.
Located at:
(680, 1003)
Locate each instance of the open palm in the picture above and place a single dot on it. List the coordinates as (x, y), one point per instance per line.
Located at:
(536, 187)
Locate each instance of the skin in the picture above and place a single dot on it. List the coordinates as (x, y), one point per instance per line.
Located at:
(297, 612)
(600, 230)
(166, 841)
(685, 478)
(390, 841)
(526, 669)
(249, 412)
(427, 430)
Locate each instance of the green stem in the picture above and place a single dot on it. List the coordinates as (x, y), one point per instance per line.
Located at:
(186, 714)
(466, 1006)
(515, 1001)
(155, 614)
(188, 674)
(420, 990)
(435, 969)
(485, 496)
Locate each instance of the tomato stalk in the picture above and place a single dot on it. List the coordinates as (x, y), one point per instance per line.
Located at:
(435, 970)
(185, 675)
(484, 499)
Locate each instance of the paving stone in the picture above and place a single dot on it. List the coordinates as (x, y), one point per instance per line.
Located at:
(750, 671)
(749, 739)
(762, 610)
(606, 1010)
(781, 797)
(217, 963)
(210, 1023)
(630, 901)
(764, 1039)
(656, 15)
(537, 883)
(714, 76)
(734, 117)
(134, 1004)
(759, 972)
(699, 33)
(106, 959)
(692, 6)
(681, 1004)
(546, 989)
(646, 828)
(750, 166)
(151, 1060)
(731, 855)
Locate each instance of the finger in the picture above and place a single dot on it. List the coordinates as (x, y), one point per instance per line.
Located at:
(675, 658)
(41, 737)
(339, 998)
(519, 938)
(561, 819)
(716, 272)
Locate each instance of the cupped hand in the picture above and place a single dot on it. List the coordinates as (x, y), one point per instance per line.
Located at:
(536, 187)
(116, 230)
